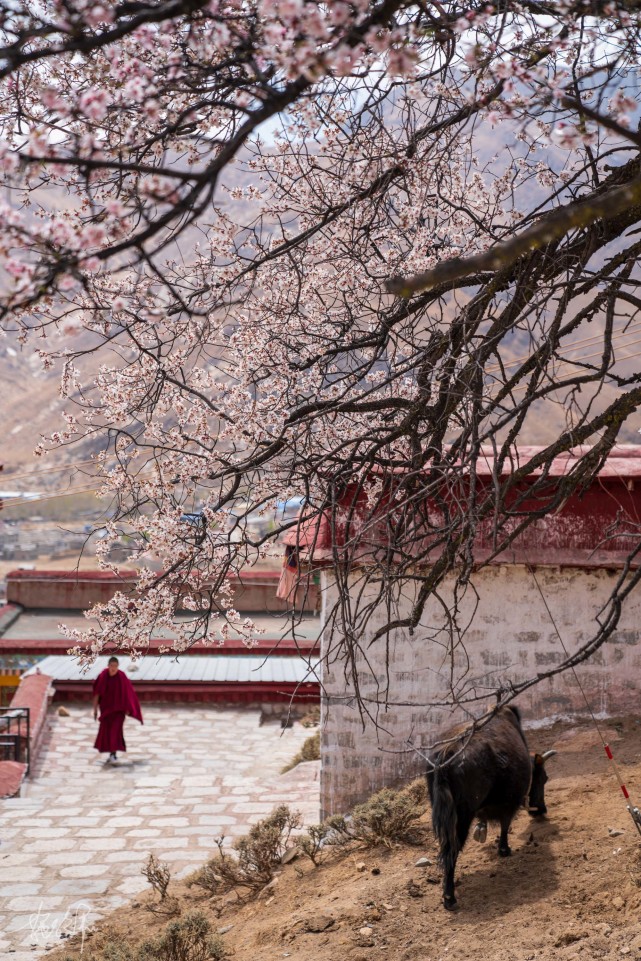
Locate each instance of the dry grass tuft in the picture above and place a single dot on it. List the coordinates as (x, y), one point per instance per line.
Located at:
(310, 751)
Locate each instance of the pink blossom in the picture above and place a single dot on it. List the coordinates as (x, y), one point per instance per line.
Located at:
(401, 61)
(93, 235)
(51, 98)
(407, 167)
(115, 207)
(566, 135)
(60, 231)
(339, 13)
(136, 89)
(15, 267)
(66, 282)
(343, 60)
(94, 103)
(289, 9)
(9, 160)
(37, 144)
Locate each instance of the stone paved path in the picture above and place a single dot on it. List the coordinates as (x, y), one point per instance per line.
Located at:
(71, 848)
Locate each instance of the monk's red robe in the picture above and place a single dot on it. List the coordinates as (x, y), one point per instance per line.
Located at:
(117, 700)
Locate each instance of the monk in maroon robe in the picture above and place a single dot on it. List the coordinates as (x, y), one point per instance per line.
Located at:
(115, 693)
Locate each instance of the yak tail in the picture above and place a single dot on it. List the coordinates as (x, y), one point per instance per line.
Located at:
(445, 820)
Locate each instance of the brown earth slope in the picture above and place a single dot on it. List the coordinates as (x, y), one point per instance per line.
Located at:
(571, 890)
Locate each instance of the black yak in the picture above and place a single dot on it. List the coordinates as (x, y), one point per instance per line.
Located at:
(486, 775)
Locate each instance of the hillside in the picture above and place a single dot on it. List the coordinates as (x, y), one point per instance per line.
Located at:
(31, 408)
(571, 890)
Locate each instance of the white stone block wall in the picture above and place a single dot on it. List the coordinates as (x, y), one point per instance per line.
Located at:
(508, 637)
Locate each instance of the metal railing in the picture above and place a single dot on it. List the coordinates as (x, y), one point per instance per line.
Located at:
(15, 734)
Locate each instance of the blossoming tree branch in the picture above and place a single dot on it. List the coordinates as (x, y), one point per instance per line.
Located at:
(333, 251)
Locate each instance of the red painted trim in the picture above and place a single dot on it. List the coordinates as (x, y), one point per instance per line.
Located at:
(245, 577)
(34, 693)
(80, 590)
(273, 647)
(249, 693)
(555, 557)
(79, 576)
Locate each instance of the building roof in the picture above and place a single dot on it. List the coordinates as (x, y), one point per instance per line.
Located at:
(37, 632)
(624, 461)
(196, 669)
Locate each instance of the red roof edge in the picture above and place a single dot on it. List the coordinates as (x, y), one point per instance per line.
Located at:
(250, 692)
(244, 577)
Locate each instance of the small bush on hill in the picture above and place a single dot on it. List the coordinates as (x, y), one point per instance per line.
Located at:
(189, 939)
(158, 875)
(388, 817)
(313, 843)
(207, 877)
(118, 951)
(256, 855)
(310, 751)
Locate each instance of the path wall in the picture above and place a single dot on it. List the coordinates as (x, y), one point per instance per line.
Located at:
(34, 692)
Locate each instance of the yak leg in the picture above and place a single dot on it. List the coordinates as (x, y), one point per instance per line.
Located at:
(463, 823)
(449, 898)
(504, 848)
(449, 856)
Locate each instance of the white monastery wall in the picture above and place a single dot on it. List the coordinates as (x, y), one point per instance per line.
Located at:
(510, 638)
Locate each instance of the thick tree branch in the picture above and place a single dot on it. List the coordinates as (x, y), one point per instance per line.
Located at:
(551, 227)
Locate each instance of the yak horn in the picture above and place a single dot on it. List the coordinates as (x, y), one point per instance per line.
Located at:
(548, 754)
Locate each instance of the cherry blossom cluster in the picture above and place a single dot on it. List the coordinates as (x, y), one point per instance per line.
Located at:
(206, 203)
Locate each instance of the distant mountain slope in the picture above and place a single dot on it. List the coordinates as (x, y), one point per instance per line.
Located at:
(31, 408)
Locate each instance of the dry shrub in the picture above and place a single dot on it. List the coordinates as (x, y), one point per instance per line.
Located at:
(312, 718)
(310, 751)
(313, 843)
(118, 951)
(390, 816)
(256, 855)
(189, 939)
(207, 877)
(85, 956)
(158, 875)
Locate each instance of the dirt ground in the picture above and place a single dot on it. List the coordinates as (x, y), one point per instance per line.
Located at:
(571, 890)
